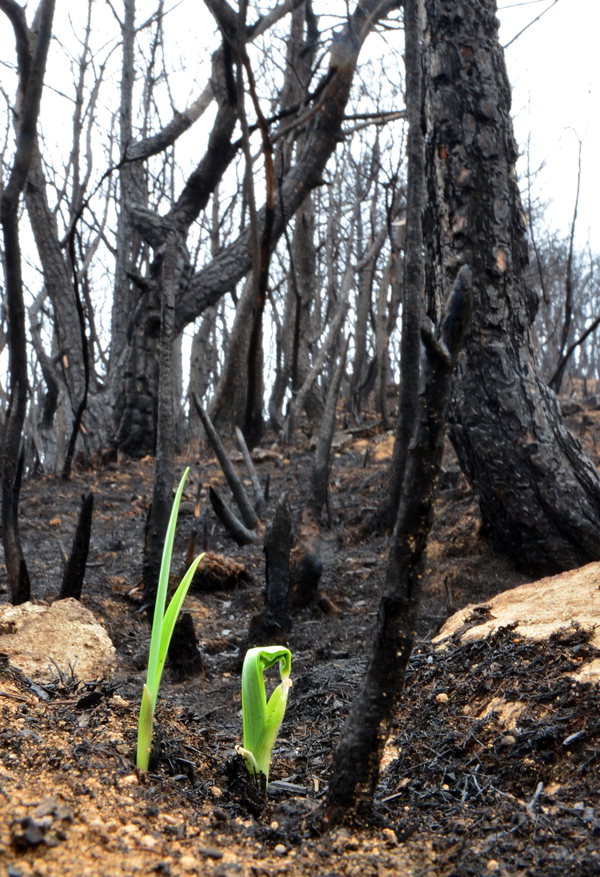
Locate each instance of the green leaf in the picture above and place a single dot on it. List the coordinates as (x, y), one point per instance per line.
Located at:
(172, 614)
(144, 741)
(261, 718)
(163, 625)
(153, 677)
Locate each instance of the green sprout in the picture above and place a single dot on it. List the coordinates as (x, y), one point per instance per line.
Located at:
(162, 631)
(261, 718)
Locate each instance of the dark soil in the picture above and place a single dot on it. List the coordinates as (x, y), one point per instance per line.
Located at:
(467, 787)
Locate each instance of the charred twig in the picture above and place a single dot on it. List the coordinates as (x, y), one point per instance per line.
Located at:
(238, 490)
(260, 502)
(241, 534)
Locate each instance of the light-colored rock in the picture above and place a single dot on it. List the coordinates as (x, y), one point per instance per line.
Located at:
(33, 636)
(539, 609)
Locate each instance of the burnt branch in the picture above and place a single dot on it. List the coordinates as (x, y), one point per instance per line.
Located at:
(242, 535)
(260, 502)
(238, 490)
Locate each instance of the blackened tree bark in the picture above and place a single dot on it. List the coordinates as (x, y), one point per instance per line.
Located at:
(137, 407)
(169, 261)
(538, 492)
(74, 573)
(132, 190)
(358, 754)
(414, 272)
(32, 53)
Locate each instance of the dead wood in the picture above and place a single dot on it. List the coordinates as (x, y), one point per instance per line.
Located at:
(185, 657)
(275, 621)
(260, 502)
(241, 534)
(320, 473)
(238, 490)
(358, 756)
(74, 573)
(306, 564)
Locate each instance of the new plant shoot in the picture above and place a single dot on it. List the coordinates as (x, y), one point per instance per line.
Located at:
(162, 631)
(261, 718)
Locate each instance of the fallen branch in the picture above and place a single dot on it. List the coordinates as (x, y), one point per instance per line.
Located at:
(260, 502)
(241, 534)
(238, 490)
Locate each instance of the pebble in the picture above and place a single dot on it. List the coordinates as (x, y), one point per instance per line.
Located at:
(189, 863)
(389, 835)
(130, 780)
(442, 697)
(280, 849)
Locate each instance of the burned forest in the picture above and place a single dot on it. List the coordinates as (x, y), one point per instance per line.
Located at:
(299, 449)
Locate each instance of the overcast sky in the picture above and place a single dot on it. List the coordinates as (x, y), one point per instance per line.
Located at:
(554, 68)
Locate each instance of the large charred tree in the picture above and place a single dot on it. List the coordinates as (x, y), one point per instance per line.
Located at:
(539, 494)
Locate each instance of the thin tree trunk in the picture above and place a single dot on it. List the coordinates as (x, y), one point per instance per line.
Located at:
(555, 383)
(74, 574)
(319, 477)
(414, 271)
(164, 467)
(32, 65)
(358, 755)
(131, 190)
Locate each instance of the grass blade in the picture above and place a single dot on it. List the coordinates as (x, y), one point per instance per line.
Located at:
(144, 740)
(153, 677)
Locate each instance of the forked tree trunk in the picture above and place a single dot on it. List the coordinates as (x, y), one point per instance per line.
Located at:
(539, 494)
(32, 52)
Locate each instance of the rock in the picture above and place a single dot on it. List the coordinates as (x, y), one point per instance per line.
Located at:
(539, 609)
(33, 636)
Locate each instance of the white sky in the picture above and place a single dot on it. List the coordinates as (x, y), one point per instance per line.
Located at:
(554, 68)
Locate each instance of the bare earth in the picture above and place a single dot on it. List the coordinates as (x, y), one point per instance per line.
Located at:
(492, 766)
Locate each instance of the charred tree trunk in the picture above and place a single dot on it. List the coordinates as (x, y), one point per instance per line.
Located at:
(320, 122)
(275, 621)
(74, 573)
(538, 492)
(32, 53)
(132, 190)
(170, 270)
(137, 400)
(319, 477)
(358, 755)
(414, 272)
(228, 406)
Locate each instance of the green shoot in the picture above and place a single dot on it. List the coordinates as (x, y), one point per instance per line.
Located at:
(261, 718)
(162, 631)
